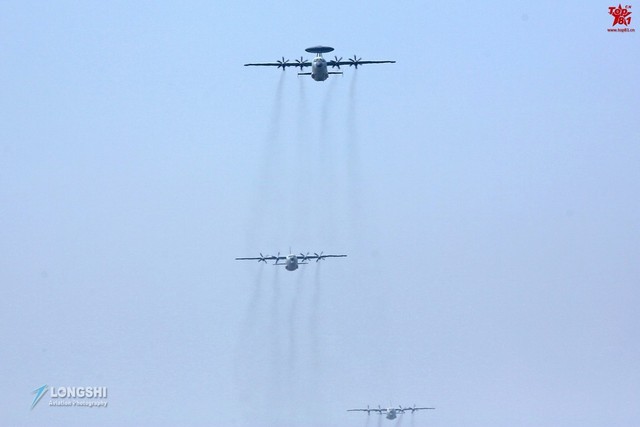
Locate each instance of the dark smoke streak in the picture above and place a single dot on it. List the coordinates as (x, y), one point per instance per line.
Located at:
(326, 175)
(324, 116)
(247, 348)
(274, 130)
(267, 174)
(353, 161)
(352, 133)
(313, 321)
(293, 322)
(302, 169)
(250, 316)
(275, 335)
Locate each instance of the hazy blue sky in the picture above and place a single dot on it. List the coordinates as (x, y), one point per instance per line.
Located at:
(486, 188)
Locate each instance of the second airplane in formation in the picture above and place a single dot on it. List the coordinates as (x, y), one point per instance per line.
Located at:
(291, 261)
(319, 66)
(390, 413)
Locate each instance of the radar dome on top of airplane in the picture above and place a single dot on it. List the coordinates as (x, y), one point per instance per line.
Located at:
(319, 49)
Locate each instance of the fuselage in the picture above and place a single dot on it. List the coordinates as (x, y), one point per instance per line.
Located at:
(391, 414)
(291, 263)
(319, 71)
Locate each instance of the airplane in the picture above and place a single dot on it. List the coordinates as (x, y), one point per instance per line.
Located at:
(291, 261)
(319, 66)
(391, 413)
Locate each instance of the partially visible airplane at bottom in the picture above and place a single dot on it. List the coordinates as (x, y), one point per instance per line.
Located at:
(391, 413)
(291, 261)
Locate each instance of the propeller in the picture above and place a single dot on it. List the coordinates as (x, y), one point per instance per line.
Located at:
(413, 409)
(400, 409)
(282, 63)
(277, 258)
(263, 258)
(368, 410)
(319, 256)
(336, 62)
(301, 63)
(355, 61)
(304, 257)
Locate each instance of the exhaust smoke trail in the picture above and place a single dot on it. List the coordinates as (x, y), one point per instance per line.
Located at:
(352, 135)
(325, 128)
(302, 122)
(267, 176)
(302, 169)
(313, 321)
(274, 336)
(274, 129)
(246, 367)
(292, 375)
(250, 316)
(293, 322)
(324, 121)
(353, 161)
(325, 177)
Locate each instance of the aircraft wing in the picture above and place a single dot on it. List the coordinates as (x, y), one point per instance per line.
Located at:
(414, 409)
(318, 257)
(367, 410)
(283, 63)
(261, 258)
(355, 62)
(274, 64)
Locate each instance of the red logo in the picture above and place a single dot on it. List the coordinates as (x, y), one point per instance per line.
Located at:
(620, 15)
